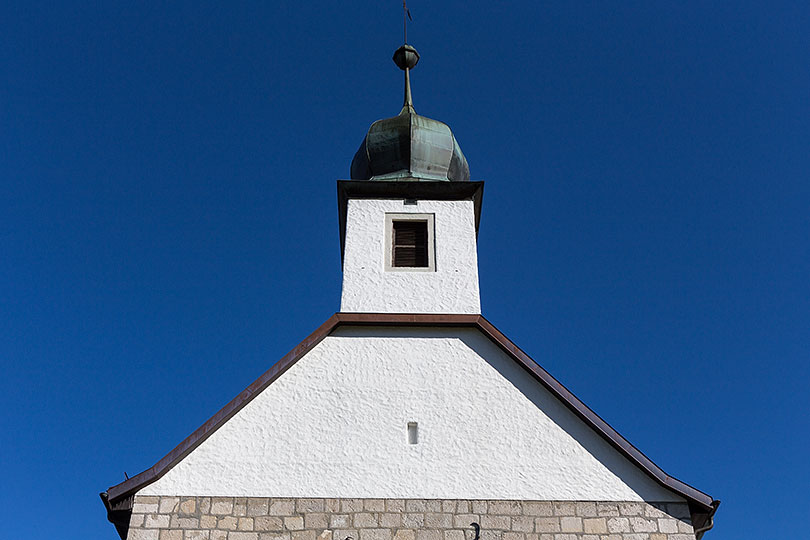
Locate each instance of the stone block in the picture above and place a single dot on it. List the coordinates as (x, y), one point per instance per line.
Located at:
(375, 534)
(681, 537)
(395, 505)
(631, 509)
(509, 508)
(221, 505)
(268, 523)
(391, 520)
(168, 505)
(374, 505)
(438, 521)
(243, 536)
(454, 534)
(196, 534)
(156, 521)
(503, 523)
(462, 521)
(303, 535)
(463, 507)
(316, 520)
(607, 509)
(205, 505)
(365, 520)
(188, 505)
(257, 506)
(349, 506)
(281, 507)
(245, 524)
(240, 506)
(618, 525)
(343, 534)
(685, 527)
(294, 523)
(513, 536)
(640, 524)
(309, 505)
(594, 525)
(332, 505)
(144, 507)
(143, 534)
(208, 522)
(538, 508)
(274, 536)
(658, 536)
(171, 535)
(586, 509)
(218, 535)
(667, 525)
(136, 521)
(479, 507)
(570, 524)
(340, 521)
(523, 524)
(655, 510)
(187, 522)
(405, 534)
(415, 505)
(547, 524)
(433, 505)
(429, 534)
(565, 509)
(413, 521)
(636, 536)
(448, 506)
(491, 535)
(228, 523)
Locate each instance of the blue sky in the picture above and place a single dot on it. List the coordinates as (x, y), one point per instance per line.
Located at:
(168, 221)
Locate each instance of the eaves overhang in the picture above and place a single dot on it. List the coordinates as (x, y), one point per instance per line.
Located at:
(118, 499)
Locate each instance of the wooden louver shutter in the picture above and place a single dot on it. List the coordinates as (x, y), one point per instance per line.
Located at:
(410, 244)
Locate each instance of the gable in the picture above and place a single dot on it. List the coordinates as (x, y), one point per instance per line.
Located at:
(334, 425)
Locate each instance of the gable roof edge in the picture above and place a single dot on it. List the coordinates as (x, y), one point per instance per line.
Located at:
(702, 506)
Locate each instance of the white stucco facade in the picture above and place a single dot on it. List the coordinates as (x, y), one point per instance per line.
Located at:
(336, 425)
(452, 287)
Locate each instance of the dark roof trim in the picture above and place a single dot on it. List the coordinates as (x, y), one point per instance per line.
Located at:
(434, 191)
(701, 504)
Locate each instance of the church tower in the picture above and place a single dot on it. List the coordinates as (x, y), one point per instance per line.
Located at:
(409, 217)
(407, 415)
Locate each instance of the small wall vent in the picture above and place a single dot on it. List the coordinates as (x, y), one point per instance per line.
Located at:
(413, 433)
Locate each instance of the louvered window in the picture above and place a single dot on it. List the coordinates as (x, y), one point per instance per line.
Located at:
(409, 242)
(410, 239)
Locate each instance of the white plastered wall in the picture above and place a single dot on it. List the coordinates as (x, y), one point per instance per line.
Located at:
(335, 425)
(369, 287)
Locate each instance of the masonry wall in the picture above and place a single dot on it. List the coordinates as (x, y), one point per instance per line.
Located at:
(254, 518)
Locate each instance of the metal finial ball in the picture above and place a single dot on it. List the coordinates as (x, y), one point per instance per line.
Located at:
(406, 57)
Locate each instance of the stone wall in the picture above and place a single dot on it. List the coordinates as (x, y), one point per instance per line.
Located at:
(240, 518)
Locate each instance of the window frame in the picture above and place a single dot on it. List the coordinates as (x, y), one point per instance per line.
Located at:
(390, 218)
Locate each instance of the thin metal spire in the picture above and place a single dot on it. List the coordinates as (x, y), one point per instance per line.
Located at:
(406, 14)
(406, 58)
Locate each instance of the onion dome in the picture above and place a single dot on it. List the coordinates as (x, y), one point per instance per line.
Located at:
(409, 146)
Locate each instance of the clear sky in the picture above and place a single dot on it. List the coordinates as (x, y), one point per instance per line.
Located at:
(168, 221)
